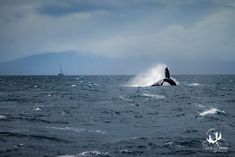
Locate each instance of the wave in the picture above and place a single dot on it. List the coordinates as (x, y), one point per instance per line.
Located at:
(3, 117)
(78, 130)
(172, 144)
(200, 105)
(194, 84)
(94, 153)
(36, 119)
(212, 110)
(148, 78)
(132, 153)
(69, 128)
(154, 96)
(124, 98)
(125, 151)
(33, 136)
(38, 109)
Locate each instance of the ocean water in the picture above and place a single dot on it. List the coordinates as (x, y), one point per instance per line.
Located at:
(105, 116)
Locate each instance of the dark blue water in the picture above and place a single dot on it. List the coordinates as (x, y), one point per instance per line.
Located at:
(101, 116)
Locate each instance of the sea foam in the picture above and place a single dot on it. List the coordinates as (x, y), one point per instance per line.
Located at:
(154, 96)
(78, 130)
(193, 84)
(212, 110)
(38, 109)
(88, 154)
(2, 117)
(124, 98)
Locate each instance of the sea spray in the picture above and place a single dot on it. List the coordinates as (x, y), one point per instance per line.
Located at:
(148, 78)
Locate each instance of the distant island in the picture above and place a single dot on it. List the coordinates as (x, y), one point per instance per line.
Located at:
(85, 64)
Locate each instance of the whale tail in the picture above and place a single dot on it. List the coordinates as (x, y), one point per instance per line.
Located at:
(166, 79)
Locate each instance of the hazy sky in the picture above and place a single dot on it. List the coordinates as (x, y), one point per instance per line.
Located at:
(168, 30)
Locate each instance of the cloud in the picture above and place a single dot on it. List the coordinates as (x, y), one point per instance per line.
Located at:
(66, 7)
(210, 38)
(119, 28)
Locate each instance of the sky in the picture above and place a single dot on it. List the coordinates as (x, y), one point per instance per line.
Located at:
(185, 32)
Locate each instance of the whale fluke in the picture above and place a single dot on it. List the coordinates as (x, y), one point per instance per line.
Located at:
(166, 79)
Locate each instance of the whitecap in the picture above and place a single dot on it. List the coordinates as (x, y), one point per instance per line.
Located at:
(194, 84)
(212, 110)
(2, 117)
(154, 96)
(169, 143)
(88, 154)
(20, 145)
(69, 129)
(96, 131)
(38, 109)
(124, 98)
(73, 85)
(94, 153)
(173, 144)
(78, 130)
(200, 105)
(125, 151)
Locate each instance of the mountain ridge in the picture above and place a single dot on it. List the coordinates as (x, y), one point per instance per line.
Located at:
(73, 63)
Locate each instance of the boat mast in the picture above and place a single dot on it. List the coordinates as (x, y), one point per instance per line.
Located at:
(60, 69)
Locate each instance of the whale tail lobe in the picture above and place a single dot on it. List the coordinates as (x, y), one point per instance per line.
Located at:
(167, 73)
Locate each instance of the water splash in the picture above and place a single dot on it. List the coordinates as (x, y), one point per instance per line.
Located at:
(148, 78)
(212, 110)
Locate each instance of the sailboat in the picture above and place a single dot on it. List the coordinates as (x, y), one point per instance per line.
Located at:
(61, 73)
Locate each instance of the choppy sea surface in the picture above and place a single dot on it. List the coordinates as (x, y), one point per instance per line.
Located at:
(104, 116)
